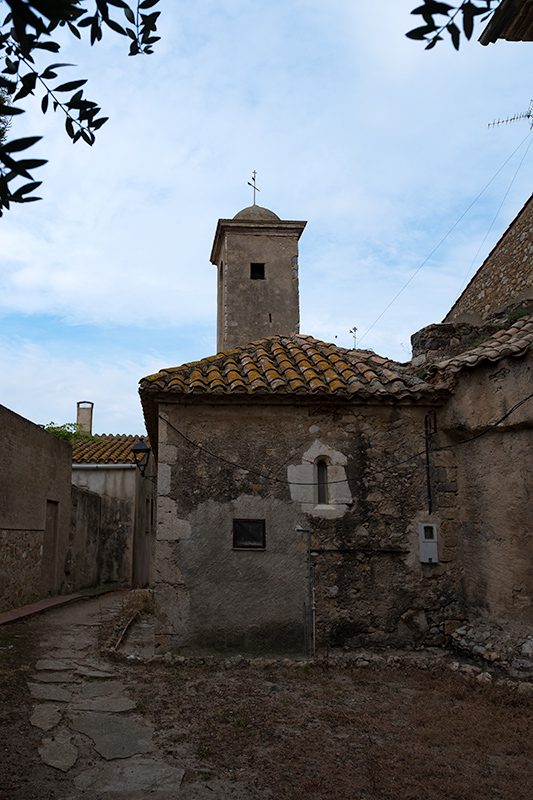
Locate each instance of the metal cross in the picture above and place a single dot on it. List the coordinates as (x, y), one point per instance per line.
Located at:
(254, 187)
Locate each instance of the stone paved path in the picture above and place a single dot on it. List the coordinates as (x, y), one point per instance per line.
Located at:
(91, 730)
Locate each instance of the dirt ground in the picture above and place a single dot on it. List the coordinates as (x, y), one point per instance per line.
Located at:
(296, 733)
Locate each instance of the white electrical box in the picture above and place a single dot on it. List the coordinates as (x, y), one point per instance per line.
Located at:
(427, 534)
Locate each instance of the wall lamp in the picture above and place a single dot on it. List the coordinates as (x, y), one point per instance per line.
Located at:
(141, 456)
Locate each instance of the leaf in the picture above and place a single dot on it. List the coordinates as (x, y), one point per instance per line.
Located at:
(150, 19)
(97, 123)
(128, 13)
(115, 27)
(148, 3)
(74, 31)
(20, 144)
(31, 163)
(468, 24)
(28, 187)
(44, 104)
(10, 111)
(433, 42)
(454, 32)
(87, 136)
(430, 7)
(74, 101)
(70, 86)
(16, 167)
(12, 67)
(420, 33)
(469, 12)
(69, 127)
(53, 47)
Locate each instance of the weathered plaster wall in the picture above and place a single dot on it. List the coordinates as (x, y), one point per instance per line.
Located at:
(493, 511)
(126, 534)
(82, 562)
(116, 488)
(504, 279)
(35, 471)
(370, 584)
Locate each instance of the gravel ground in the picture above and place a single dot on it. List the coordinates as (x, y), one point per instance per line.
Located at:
(266, 729)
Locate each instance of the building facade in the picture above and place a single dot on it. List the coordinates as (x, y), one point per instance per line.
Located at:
(312, 496)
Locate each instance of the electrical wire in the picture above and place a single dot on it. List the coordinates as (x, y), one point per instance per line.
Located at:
(423, 264)
(391, 467)
(474, 260)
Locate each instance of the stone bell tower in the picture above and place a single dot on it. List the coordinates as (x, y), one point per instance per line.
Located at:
(256, 255)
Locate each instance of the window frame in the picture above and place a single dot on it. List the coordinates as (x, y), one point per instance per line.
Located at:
(322, 484)
(241, 546)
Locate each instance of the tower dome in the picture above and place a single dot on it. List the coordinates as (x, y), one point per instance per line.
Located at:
(256, 213)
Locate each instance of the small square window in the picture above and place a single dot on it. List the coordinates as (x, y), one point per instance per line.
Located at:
(257, 272)
(249, 534)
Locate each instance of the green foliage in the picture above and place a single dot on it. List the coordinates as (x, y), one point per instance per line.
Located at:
(516, 314)
(464, 13)
(28, 29)
(70, 431)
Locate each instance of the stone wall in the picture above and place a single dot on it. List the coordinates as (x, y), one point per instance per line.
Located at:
(369, 584)
(20, 573)
(436, 342)
(35, 469)
(490, 507)
(505, 279)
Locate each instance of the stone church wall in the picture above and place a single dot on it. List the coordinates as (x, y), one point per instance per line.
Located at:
(370, 586)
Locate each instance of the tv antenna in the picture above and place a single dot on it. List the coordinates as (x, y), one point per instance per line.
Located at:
(254, 187)
(525, 115)
(353, 331)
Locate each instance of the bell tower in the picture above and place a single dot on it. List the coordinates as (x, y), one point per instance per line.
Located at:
(256, 256)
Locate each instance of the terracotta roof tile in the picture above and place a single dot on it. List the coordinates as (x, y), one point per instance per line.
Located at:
(283, 365)
(515, 341)
(106, 449)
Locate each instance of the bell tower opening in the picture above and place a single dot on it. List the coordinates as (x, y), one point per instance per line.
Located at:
(257, 272)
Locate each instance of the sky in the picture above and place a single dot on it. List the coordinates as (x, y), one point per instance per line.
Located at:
(383, 147)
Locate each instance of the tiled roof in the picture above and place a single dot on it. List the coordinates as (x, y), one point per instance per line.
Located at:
(106, 449)
(290, 366)
(284, 367)
(515, 341)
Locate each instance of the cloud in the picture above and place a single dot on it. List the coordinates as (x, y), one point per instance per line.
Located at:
(380, 145)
